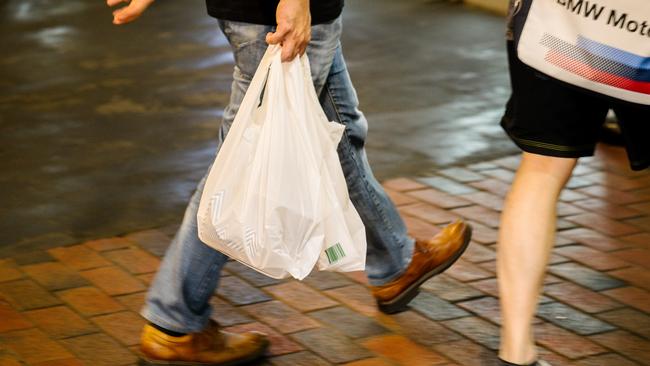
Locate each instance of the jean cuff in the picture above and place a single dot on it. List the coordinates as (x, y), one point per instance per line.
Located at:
(407, 255)
(187, 327)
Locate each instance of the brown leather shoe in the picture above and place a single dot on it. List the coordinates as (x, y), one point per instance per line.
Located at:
(209, 347)
(429, 259)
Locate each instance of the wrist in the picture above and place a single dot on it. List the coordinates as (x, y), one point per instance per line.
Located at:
(301, 2)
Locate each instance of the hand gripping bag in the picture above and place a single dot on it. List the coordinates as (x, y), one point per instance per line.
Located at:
(275, 198)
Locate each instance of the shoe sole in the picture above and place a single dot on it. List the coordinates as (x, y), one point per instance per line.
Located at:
(147, 362)
(400, 302)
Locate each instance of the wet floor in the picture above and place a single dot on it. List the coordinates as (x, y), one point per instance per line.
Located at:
(106, 130)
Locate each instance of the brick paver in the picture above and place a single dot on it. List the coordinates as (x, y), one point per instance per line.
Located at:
(226, 314)
(79, 305)
(54, 275)
(301, 296)
(90, 301)
(580, 297)
(135, 260)
(79, 257)
(632, 296)
(240, 292)
(280, 316)
(105, 244)
(467, 353)
(60, 322)
(356, 297)
(476, 329)
(566, 342)
(12, 319)
(403, 351)
(113, 280)
(99, 349)
(348, 322)
(34, 346)
(486, 307)
(332, 346)
(450, 289)
(630, 319)
(9, 270)
(26, 294)
(370, 362)
(280, 344)
(124, 326)
(592, 257)
(302, 358)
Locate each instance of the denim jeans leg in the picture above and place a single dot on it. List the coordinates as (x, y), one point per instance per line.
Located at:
(179, 297)
(389, 247)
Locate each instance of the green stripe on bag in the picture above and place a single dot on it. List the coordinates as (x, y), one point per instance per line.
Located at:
(335, 253)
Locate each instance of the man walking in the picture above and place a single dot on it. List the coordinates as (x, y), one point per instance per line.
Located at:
(177, 308)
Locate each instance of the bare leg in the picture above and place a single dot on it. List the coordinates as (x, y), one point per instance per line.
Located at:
(526, 238)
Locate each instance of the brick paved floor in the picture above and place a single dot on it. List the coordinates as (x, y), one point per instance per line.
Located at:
(77, 305)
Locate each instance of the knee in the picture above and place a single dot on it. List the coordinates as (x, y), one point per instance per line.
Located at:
(558, 168)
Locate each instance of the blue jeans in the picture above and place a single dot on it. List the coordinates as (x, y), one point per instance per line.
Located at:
(189, 273)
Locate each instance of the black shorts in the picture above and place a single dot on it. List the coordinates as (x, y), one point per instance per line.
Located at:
(549, 117)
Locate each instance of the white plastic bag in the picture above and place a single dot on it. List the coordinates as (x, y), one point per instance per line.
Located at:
(276, 198)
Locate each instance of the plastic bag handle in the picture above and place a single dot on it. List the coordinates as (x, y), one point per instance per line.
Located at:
(256, 86)
(335, 130)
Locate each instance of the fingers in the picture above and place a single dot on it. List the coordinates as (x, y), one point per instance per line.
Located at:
(115, 2)
(131, 12)
(289, 51)
(292, 44)
(303, 47)
(124, 15)
(278, 36)
(294, 47)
